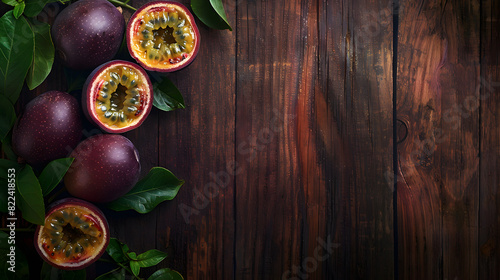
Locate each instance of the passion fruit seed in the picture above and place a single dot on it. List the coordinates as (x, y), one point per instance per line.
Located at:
(71, 235)
(165, 36)
(119, 99)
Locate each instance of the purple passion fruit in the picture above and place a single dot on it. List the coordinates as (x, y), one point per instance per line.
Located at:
(75, 234)
(49, 128)
(117, 96)
(162, 36)
(106, 166)
(88, 33)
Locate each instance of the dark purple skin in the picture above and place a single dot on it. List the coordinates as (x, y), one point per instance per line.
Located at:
(50, 128)
(88, 33)
(106, 167)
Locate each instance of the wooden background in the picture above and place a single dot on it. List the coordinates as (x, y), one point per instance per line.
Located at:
(295, 122)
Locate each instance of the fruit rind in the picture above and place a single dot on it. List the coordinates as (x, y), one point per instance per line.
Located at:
(88, 33)
(91, 90)
(83, 206)
(134, 21)
(49, 125)
(106, 166)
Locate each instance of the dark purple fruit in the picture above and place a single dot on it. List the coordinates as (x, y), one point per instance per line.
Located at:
(49, 128)
(75, 234)
(88, 33)
(106, 166)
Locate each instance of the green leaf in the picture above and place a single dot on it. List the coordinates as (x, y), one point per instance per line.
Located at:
(10, 2)
(21, 267)
(134, 266)
(34, 7)
(151, 258)
(53, 173)
(132, 255)
(211, 13)
(51, 273)
(43, 55)
(115, 274)
(166, 274)
(117, 250)
(19, 9)
(159, 185)
(29, 197)
(16, 37)
(167, 96)
(7, 116)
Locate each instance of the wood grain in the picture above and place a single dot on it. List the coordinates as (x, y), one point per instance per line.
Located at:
(438, 195)
(286, 145)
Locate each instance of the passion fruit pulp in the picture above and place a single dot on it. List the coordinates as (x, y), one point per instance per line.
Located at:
(162, 36)
(75, 234)
(117, 96)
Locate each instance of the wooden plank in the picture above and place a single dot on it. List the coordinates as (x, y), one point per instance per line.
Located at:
(438, 194)
(306, 183)
(489, 211)
(197, 144)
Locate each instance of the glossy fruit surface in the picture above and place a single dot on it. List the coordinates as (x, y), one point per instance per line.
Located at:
(162, 36)
(49, 128)
(117, 96)
(75, 234)
(88, 33)
(106, 166)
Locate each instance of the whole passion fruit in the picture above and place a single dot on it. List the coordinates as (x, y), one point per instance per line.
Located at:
(49, 128)
(75, 234)
(162, 36)
(106, 166)
(117, 96)
(88, 33)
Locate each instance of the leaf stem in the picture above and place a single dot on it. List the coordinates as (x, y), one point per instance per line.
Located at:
(122, 266)
(55, 195)
(122, 4)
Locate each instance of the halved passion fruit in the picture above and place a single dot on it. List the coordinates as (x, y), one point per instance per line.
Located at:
(162, 36)
(75, 234)
(117, 96)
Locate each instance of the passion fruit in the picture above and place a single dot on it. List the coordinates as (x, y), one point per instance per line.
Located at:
(88, 33)
(75, 234)
(117, 96)
(162, 36)
(106, 166)
(49, 128)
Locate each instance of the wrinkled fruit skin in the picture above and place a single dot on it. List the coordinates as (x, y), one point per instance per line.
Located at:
(49, 128)
(54, 233)
(100, 79)
(88, 33)
(106, 166)
(173, 51)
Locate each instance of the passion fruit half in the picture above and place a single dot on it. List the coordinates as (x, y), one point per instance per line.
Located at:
(162, 36)
(75, 234)
(117, 96)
